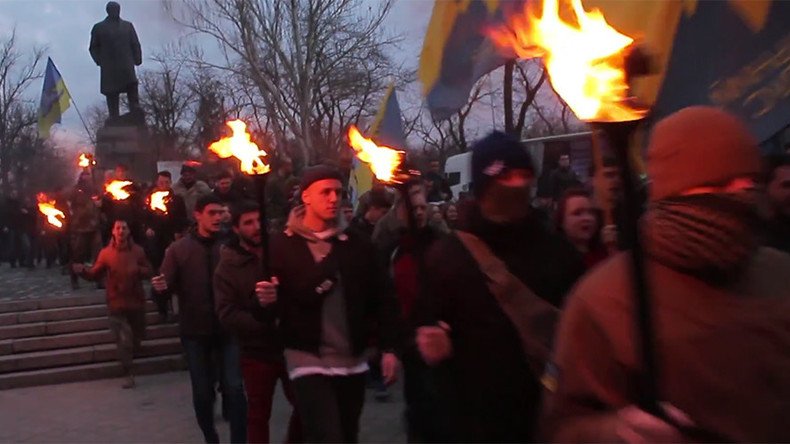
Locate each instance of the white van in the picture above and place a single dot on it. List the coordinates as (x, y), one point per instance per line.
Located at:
(545, 152)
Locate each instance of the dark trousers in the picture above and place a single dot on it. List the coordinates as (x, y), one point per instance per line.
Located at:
(330, 406)
(84, 247)
(260, 380)
(132, 95)
(201, 353)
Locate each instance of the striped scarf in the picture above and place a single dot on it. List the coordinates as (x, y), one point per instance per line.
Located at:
(710, 236)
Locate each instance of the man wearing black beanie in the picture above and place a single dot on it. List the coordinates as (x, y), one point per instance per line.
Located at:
(331, 303)
(492, 292)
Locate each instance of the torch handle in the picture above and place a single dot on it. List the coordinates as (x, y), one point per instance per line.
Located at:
(260, 182)
(619, 134)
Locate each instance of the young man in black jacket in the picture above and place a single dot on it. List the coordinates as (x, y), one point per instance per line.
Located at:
(247, 312)
(188, 270)
(332, 305)
(489, 383)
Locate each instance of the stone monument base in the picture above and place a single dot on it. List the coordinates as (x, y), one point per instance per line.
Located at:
(126, 144)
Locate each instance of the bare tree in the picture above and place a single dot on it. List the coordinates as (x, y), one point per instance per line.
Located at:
(167, 100)
(17, 72)
(315, 65)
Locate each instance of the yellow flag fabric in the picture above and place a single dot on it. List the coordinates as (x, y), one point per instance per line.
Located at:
(55, 100)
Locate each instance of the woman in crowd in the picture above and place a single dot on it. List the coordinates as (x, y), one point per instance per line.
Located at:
(450, 213)
(580, 222)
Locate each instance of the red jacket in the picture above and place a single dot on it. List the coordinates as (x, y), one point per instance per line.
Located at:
(125, 269)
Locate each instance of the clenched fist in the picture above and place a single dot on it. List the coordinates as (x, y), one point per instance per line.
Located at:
(266, 291)
(434, 343)
(159, 283)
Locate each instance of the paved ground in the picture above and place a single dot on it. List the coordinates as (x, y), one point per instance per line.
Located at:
(158, 410)
(23, 283)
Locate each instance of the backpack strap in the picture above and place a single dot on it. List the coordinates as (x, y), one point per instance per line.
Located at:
(534, 318)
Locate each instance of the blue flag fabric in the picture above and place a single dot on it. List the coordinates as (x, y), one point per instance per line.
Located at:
(55, 99)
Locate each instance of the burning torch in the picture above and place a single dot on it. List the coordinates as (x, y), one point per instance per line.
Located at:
(158, 200)
(589, 65)
(251, 162)
(46, 206)
(117, 189)
(388, 165)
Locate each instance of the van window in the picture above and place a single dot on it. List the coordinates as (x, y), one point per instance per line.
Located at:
(454, 178)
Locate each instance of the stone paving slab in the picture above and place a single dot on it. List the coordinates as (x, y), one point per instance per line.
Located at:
(40, 282)
(159, 410)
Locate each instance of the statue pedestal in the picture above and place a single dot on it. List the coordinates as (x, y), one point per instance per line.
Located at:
(129, 145)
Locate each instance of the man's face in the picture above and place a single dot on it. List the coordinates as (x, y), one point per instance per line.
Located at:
(565, 161)
(121, 173)
(188, 177)
(375, 214)
(120, 232)
(516, 178)
(419, 205)
(249, 228)
(322, 198)
(612, 182)
(779, 190)
(223, 185)
(434, 166)
(226, 216)
(348, 213)
(163, 183)
(210, 218)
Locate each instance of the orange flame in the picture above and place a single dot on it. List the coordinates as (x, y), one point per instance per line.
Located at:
(383, 160)
(46, 207)
(116, 189)
(158, 201)
(585, 61)
(241, 147)
(86, 160)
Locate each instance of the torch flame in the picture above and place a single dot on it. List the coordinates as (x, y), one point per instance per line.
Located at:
(241, 147)
(585, 61)
(158, 201)
(116, 189)
(383, 160)
(46, 207)
(86, 160)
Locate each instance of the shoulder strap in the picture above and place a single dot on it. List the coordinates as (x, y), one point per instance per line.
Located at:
(533, 317)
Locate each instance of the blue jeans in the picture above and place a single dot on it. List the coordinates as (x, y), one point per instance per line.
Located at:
(203, 355)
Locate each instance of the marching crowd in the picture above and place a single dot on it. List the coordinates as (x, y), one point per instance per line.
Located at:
(509, 319)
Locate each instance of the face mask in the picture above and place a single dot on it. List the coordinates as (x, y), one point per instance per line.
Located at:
(505, 204)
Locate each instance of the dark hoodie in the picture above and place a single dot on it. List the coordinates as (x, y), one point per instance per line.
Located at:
(238, 308)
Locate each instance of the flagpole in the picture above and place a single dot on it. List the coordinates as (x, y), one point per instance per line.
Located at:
(85, 125)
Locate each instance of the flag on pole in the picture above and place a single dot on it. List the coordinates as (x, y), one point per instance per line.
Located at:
(55, 100)
(731, 54)
(387, 129)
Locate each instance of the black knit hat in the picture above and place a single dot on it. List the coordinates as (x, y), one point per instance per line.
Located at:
(494, 155)
(316, 173)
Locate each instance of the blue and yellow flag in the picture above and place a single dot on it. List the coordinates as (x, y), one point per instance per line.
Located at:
(55, 100)
(386, 129)
(732, 54)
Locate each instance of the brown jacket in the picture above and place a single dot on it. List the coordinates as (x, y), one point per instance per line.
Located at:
(724, 352)
(237, 306)
(125, 268)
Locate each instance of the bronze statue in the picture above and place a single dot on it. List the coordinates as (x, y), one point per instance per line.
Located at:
(115, 48)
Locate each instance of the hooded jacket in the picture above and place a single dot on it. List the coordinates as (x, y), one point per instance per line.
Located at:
(369, 311)
(238, 308)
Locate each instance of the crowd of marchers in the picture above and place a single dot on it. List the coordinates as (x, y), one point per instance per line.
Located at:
(509, 315)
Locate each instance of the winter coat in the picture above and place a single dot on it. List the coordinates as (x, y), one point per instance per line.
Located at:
(237, 306)
(125, 269)
(85, 215)
(115, 48)
(487, 383)
(188, 268)
(723, 351)
(191, 195)
(370, 312)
